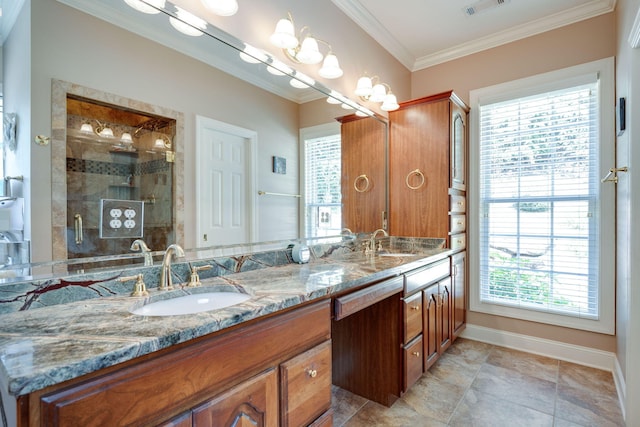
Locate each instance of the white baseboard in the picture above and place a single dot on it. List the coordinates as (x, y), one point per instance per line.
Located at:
(621, 386)
(558, 350)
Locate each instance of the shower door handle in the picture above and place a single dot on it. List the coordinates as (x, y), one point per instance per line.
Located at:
(78, 228)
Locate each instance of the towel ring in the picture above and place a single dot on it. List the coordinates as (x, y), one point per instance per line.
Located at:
(415, 172)
(358, 179)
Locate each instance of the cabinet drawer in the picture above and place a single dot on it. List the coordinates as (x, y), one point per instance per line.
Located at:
(412, 362)
(458, 224)
(412, 317)
(458, 204)
(305, 384)
(458, 241)
(423, 277)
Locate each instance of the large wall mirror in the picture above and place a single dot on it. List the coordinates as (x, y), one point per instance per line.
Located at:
(200, 94)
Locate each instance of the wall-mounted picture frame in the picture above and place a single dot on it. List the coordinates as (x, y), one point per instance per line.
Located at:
(279, 165)
(9, 125)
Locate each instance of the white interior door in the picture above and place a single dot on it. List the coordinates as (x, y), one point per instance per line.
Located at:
(224, 183)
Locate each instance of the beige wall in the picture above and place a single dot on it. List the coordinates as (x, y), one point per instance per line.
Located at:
(575, 44)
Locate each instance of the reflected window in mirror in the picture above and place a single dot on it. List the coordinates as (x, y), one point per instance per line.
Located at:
(322, 163)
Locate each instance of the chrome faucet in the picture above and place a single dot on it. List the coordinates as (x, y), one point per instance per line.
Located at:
(166, 283)
(140, 245)
(372, 240)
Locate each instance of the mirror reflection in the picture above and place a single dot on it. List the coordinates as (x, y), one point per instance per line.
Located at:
(213, 102)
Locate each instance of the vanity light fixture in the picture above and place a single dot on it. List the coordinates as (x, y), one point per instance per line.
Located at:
(380, 92)
(162, 141)
(126, 138)
(146, 6)
(221, 7)
(103, 130)
(306, 52)
(86, 128)
(187, 23)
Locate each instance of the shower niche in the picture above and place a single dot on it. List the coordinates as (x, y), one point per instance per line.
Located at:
(120, 178)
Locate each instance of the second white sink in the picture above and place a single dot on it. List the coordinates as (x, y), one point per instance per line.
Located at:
(190, 304)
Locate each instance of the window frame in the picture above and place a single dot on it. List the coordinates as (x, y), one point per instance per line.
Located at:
(605, 322)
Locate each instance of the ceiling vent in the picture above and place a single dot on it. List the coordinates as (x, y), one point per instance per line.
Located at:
(483, 6)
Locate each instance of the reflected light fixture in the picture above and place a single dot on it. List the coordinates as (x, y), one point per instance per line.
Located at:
(162, 141)
(86, 128)
(103, 130)
(367, 91)
(146, 6)
(253, 55)
(221, 7)
(187, 23)
(306, 52)
(126, 138)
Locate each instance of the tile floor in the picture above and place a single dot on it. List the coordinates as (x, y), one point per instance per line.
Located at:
(478, 384)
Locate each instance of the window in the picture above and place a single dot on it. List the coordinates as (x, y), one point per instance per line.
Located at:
(322, 196)
(545, 220)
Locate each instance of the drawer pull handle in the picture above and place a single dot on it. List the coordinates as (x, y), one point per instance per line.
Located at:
(312, 373)
(416, 353)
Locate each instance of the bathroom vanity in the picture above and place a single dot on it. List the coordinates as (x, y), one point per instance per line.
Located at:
(346, 318)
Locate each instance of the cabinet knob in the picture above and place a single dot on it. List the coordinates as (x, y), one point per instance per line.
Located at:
(312, 373)
(415, 307)
(416, 353)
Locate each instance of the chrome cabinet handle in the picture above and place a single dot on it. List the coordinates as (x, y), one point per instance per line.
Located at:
(78, 229)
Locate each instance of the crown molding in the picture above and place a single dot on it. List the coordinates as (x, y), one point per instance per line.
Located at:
(10, 11)
(634, 34)
(355, 11)
(365, 20)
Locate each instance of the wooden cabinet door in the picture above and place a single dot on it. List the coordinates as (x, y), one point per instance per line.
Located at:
(412, 317)
(412, 362)
(458, 288)
(458, 147)
(363, 183)
(444, 327)
(430, 320)
(419, 170)
(305, 384)
(253, 403)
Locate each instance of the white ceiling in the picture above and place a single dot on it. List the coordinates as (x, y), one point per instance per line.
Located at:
(422, 33)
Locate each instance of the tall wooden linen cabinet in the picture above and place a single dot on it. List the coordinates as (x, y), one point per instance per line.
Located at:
(427, 182)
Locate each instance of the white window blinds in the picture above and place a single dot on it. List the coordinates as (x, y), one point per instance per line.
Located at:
(538, 201)
(322, 186)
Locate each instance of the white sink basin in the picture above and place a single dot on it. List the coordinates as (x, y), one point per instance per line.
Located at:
(190, 304)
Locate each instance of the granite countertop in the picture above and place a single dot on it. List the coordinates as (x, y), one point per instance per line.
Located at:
(49, 345)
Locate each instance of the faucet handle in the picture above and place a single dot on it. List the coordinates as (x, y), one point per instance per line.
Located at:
(139, 288)
(194, 280)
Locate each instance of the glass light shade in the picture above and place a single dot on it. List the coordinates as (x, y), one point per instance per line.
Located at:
(298, 84)
(346, 106)
(106, 133)
(330, 67)
(378, 93)
(364, 86)
(159, 143)
(86, 128)
(146, 6)
(253, 55)
(126, 138)
(332, 100)
(390, 103)
(335, 97)
(284, 36)
(360, 113)
(309, 52)
(221, 7)
(187, 23)
(278, 68)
